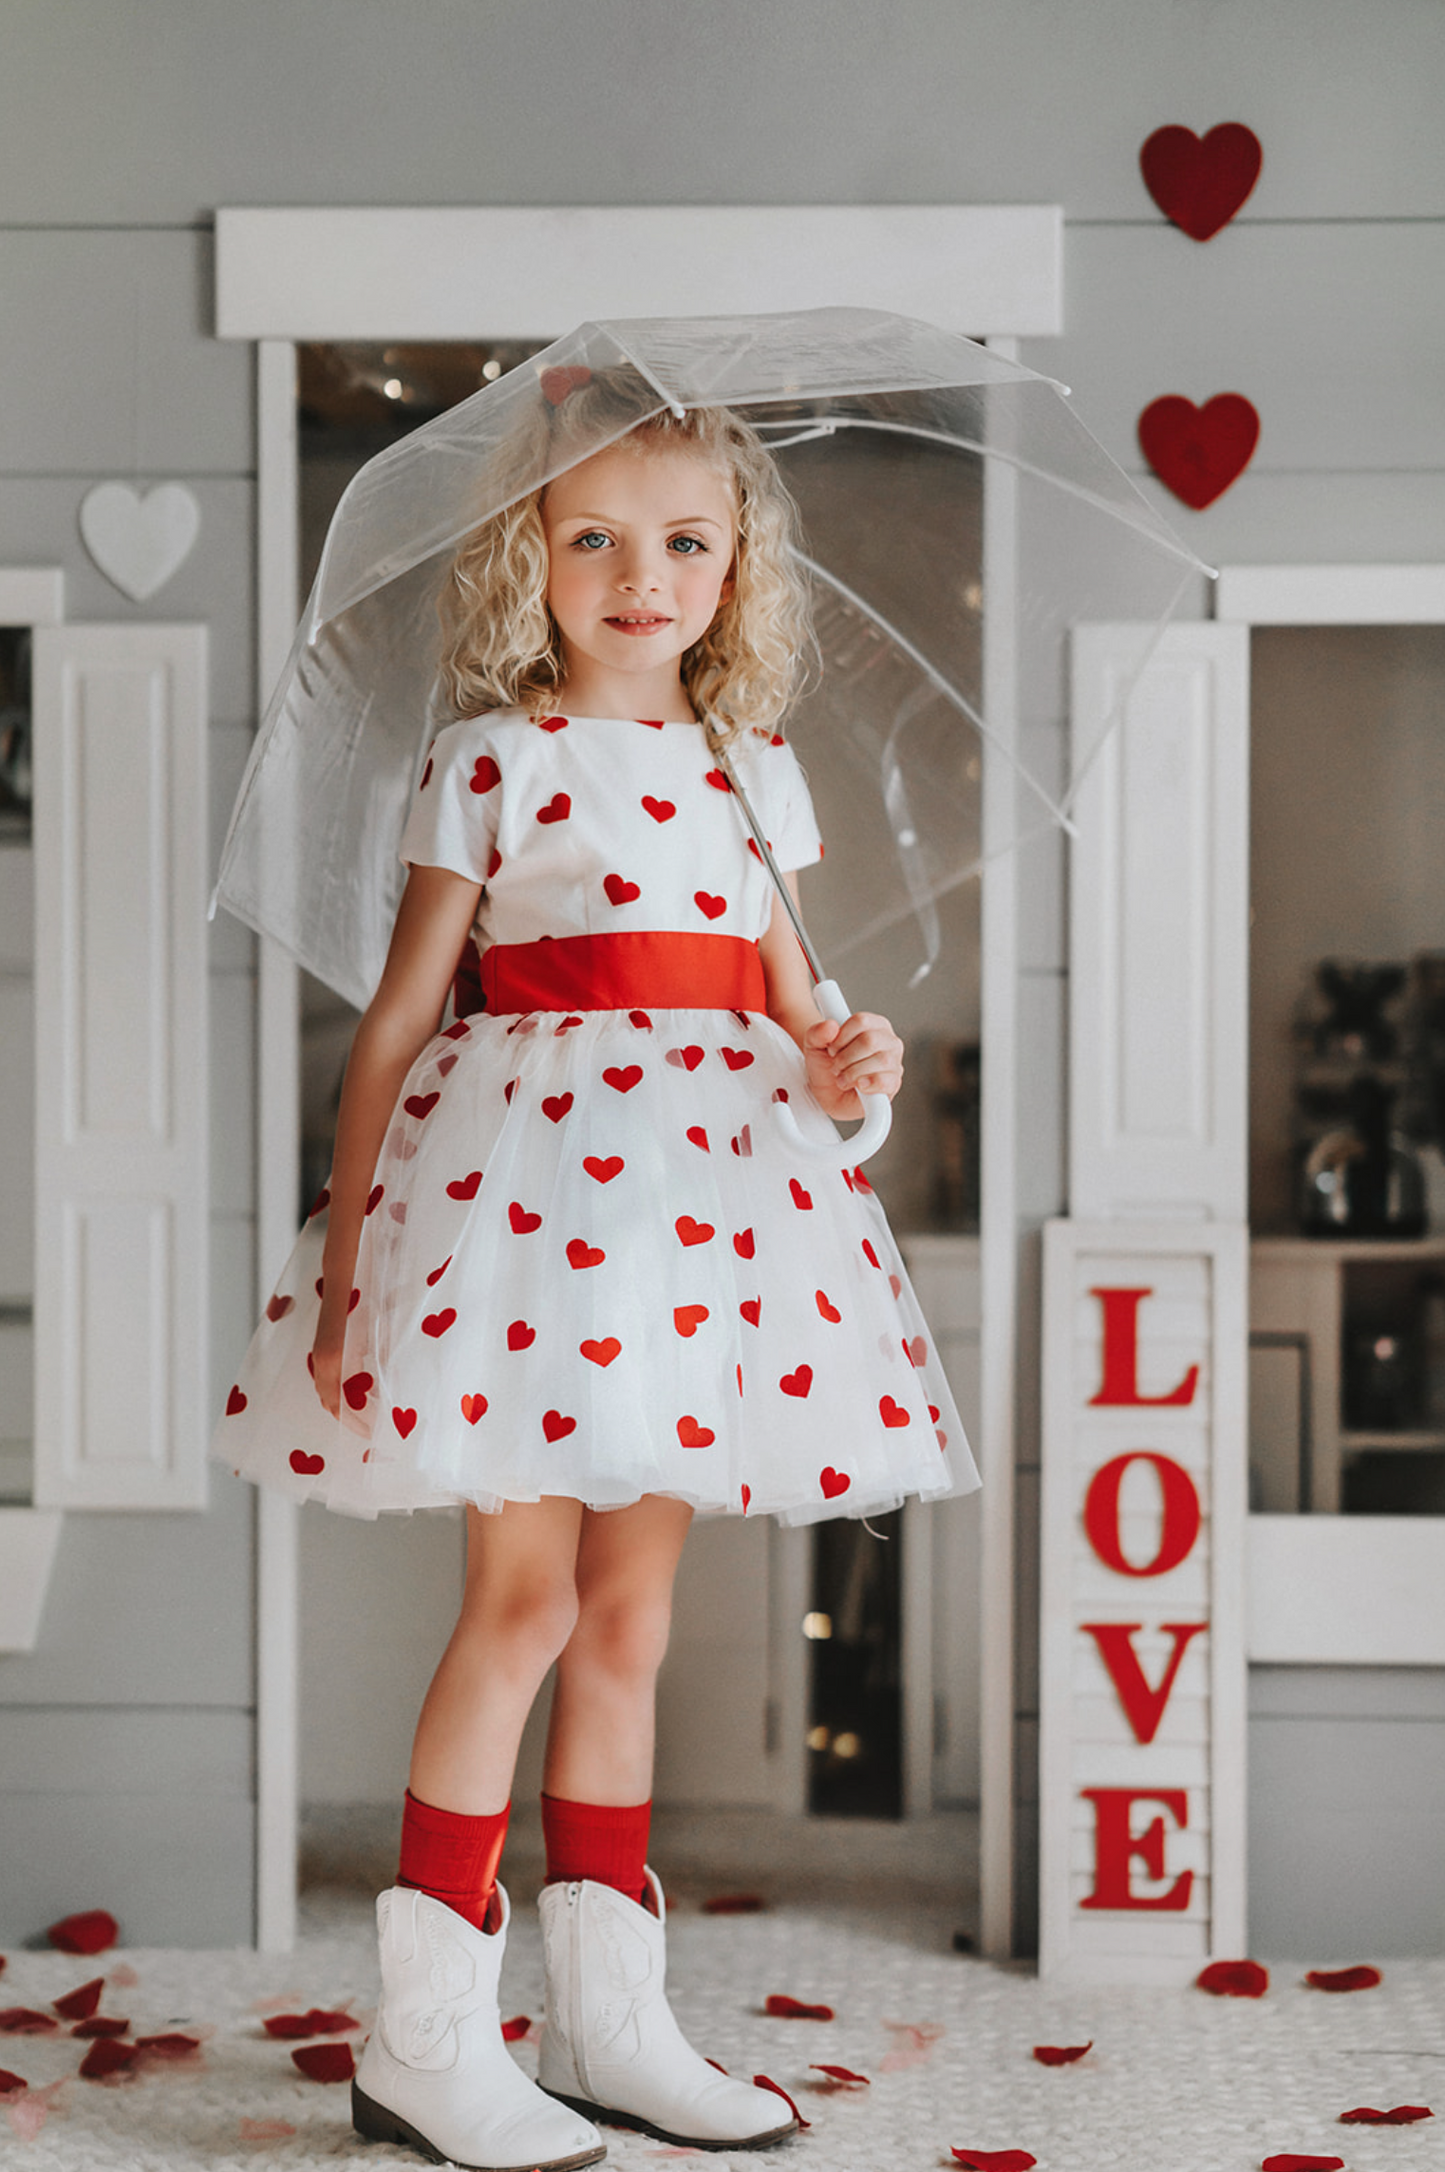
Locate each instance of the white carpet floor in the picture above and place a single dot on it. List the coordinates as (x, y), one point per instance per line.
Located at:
(1175, 2082)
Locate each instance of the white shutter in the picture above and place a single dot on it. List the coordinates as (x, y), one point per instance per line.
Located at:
(121, 1053)
(1159, 931)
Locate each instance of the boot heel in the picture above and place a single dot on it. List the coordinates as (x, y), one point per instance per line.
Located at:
(374, 2123)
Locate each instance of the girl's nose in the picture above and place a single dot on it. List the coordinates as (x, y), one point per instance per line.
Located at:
(639, 572)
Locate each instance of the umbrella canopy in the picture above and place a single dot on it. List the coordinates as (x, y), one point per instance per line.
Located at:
(959, 520)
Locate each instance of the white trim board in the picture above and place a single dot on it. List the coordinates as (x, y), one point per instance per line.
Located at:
(462, 273)
(1345, 1591)
(1332, 595)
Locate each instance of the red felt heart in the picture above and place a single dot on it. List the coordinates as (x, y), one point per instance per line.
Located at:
(397, 1210)
(621, 1077)
(467, 1187)
(80, 2004)
(698, 1137)
(743, 1244)
(555, 1426)
(1200, 182)
(603, 1167)
(861, 1183)
(520, 1336)
(325, 2062)
(557, 809)
(687, 1059)
(891, 1413)
(1289, 2161)
(1234, 1979)
(582, 1254)
(751, 1309)
(895, 1285)
(708, 905)
(1061, 2054)
(437, 1323)
(420, 1105)
(485, 775)
(353, 1301)
(783, 2008)
(619, 890)
(459, 1032)
(737, 1059)
(833, 1482)
(473, 1407)
(1403, 2115)
(437, 1272)
(803, 1200)
(553, 723)
(522, 1222)
(995, 2160)
(1197, 452)
(693, 1435)
(235, 1403)
(306, 1466)
(691, 1232)
(687, 1319)
(1343, 1979)
(278, 1307)
(601, 1353)
(829, 1311)
(356, 1389)
(556, 1106)
(661, 810)
(653, 723)
(797, 1383)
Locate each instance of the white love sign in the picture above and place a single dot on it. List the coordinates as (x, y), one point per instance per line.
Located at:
(139, 542)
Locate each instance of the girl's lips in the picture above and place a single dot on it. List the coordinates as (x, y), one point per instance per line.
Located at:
(637, 625)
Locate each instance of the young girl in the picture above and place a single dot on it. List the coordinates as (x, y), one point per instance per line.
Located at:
(572, 1277)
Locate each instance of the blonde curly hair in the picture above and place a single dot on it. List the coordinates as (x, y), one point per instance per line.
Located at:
(501, 646)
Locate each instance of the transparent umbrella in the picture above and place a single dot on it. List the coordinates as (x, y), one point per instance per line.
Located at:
(959, 520)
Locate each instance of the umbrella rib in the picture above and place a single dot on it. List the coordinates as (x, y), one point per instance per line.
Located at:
(668, 399)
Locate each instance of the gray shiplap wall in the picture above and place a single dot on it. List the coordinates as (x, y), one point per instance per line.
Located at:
(124, 123)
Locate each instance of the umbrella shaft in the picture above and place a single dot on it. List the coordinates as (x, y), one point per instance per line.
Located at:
(765, 853)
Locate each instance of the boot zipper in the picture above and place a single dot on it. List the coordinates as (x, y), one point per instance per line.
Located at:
(574, 1984)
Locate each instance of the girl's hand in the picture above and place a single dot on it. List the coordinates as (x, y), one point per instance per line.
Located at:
(326, 1357)
(863, 1055)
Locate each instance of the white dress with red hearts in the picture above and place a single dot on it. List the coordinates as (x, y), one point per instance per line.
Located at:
(591, 1266)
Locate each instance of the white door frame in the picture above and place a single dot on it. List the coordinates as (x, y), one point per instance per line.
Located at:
(283, 276)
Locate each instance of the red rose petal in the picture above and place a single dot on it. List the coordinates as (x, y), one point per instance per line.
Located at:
(995, 2160)
(843, 2075)
(1403, 2115)
(9, 2082)
(265, 2130)
(167, 2047)
(1061, 2054)
(93, 1931)
(762, 2081)
(80, 2005)
(107, 2059)
(1234, 1979)
(514, 2030)
(735, 1904)
(783, 2008)
(1343, 1979)
(24, 2021)
(317, 2022)
(101, 2025)
(1289, 2162)
(325, 2062)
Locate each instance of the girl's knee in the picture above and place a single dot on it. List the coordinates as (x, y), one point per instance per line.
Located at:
(624, 1634)
(533, 1620)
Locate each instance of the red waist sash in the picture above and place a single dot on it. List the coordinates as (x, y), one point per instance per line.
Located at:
(652, 968)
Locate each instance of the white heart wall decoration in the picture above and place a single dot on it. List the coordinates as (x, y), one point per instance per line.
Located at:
(139, 542)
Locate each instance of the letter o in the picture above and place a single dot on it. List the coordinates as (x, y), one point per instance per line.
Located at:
(1181, 1514)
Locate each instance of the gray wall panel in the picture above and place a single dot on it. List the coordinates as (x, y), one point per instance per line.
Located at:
(148, 1751)
(174, 1870)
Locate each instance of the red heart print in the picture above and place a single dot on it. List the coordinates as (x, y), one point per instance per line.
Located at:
(692, 1232)
(556, 1106)
(1197, 452)
(751, 1309)
(485, 775)
(742, 1145)
(473, 1407)
(235, 1403)
(916, 1351)
(869, 1254)
(747, 1493)
(508, 1090)
(494, 863)
(523, 1025)
(306, 1466)
(397, 1210)
(277, 1307)
(847, 1176)
(686, 1059)
(437, 1272)
(426, 774)
(374, 1198)
(718, 781)
(437, 1323)
(555, 1426)
(353, 1301)
(711, 906)
(603, 1167)
(797, 1383)
(582, 1254)
(520, 1336)
(465, 1187)
(404, 1421)
(522, 1222)
(321, 1202)
(446, 1064)
(567, 1023)
(895, 1285)
(357, 1388)
(1200, 182)
(552, 723)
(892, 1414)
(828, 1310)
(687, 1319)
(861, 1183)
(693, 1435)
(661, 810)
(620, 890)
(653, 723)
(420, 1105)
(698, 1137)
(737, 1059)
(622, 1077)
(641, 1020)
(744, 1244)
(601, 1353)
(557, 809)
(753, 849)
(933, 1412)
(801, 1199)
(780, 1093)
(833, 1482)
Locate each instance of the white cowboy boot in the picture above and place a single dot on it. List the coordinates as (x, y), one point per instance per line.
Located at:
(611, 2043)
(435, 2073)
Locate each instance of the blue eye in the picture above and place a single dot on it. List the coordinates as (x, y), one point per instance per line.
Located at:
(593, 540)
(687, 546)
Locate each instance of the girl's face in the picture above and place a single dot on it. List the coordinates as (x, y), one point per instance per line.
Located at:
(641, 544)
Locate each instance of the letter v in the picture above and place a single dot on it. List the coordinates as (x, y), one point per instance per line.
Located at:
(1143, 1706)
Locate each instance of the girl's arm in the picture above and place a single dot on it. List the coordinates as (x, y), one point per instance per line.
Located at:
(864, 1052)
(436, 915)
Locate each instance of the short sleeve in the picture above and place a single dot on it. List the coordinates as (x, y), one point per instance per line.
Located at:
(790, 825)
(453, 818)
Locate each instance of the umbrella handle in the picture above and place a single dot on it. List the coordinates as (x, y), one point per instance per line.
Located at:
(877, 1108)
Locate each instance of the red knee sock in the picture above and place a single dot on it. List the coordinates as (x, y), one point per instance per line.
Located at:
(603, 1841)
(452, 1857)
